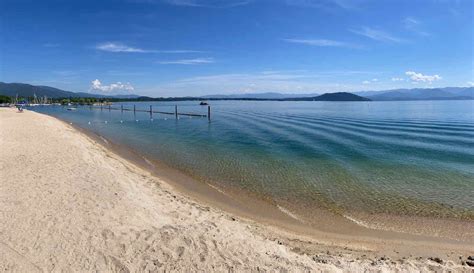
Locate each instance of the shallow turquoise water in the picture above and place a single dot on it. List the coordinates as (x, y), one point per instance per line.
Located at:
(398, 157)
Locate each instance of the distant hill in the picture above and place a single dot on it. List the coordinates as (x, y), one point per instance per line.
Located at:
(128, 96)
(446, 93)
(340, 96)
(28, 90)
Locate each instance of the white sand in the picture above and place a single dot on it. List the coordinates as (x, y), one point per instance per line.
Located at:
(69, 204)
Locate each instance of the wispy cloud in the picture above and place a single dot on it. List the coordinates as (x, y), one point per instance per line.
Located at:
(122, 48)
(189, 61)
(118, 47)
(113, 88)
(414, 25)
(247, 77)
(325, 4)
(178, 51)
(419, 77)
(377, 35)
(374, 80)
(208, 3)
(395, 79)
(266, 81)
(321, 43)
(410, 22)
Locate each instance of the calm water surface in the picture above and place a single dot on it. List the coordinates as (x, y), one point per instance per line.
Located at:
(414, 158)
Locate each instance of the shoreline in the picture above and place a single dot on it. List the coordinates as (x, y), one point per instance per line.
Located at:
(280, 227)
(258, 208)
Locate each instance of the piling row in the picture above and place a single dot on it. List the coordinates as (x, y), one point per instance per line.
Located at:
(151, 111)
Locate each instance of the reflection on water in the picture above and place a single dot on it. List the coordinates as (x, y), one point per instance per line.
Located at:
(396, 157)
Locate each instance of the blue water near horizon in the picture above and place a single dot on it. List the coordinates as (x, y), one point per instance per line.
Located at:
(410, 157)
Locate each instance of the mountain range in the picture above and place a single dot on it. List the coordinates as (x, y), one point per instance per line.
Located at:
(28, 90)
(446, 93)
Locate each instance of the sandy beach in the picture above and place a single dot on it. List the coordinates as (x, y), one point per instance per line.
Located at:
(67, 203)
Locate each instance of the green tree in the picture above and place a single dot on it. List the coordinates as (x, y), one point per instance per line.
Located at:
(5, 99)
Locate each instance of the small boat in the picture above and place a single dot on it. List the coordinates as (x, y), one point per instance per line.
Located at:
(203, 103)
(71, 109)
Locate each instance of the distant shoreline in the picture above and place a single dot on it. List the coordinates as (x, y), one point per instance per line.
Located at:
(415, 94)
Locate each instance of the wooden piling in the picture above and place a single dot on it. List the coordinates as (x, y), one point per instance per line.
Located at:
(109, 107)
(176, 111)
(121, 107)
(151, 112)
(209, 112)
(134, 109)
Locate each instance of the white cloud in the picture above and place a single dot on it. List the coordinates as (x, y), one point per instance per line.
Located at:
(398, 79)
(376, 34)
(119, 47)
(208, 3)
(418, 77)
(320, 42)
(113, 88)
(470, 84)
(374, 80)
(189, 61)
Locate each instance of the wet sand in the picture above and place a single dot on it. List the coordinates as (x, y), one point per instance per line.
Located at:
(72, 202)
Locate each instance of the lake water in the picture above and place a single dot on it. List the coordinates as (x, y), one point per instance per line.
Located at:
(410, 158)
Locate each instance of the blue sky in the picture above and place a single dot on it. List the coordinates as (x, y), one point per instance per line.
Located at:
(198, 47)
